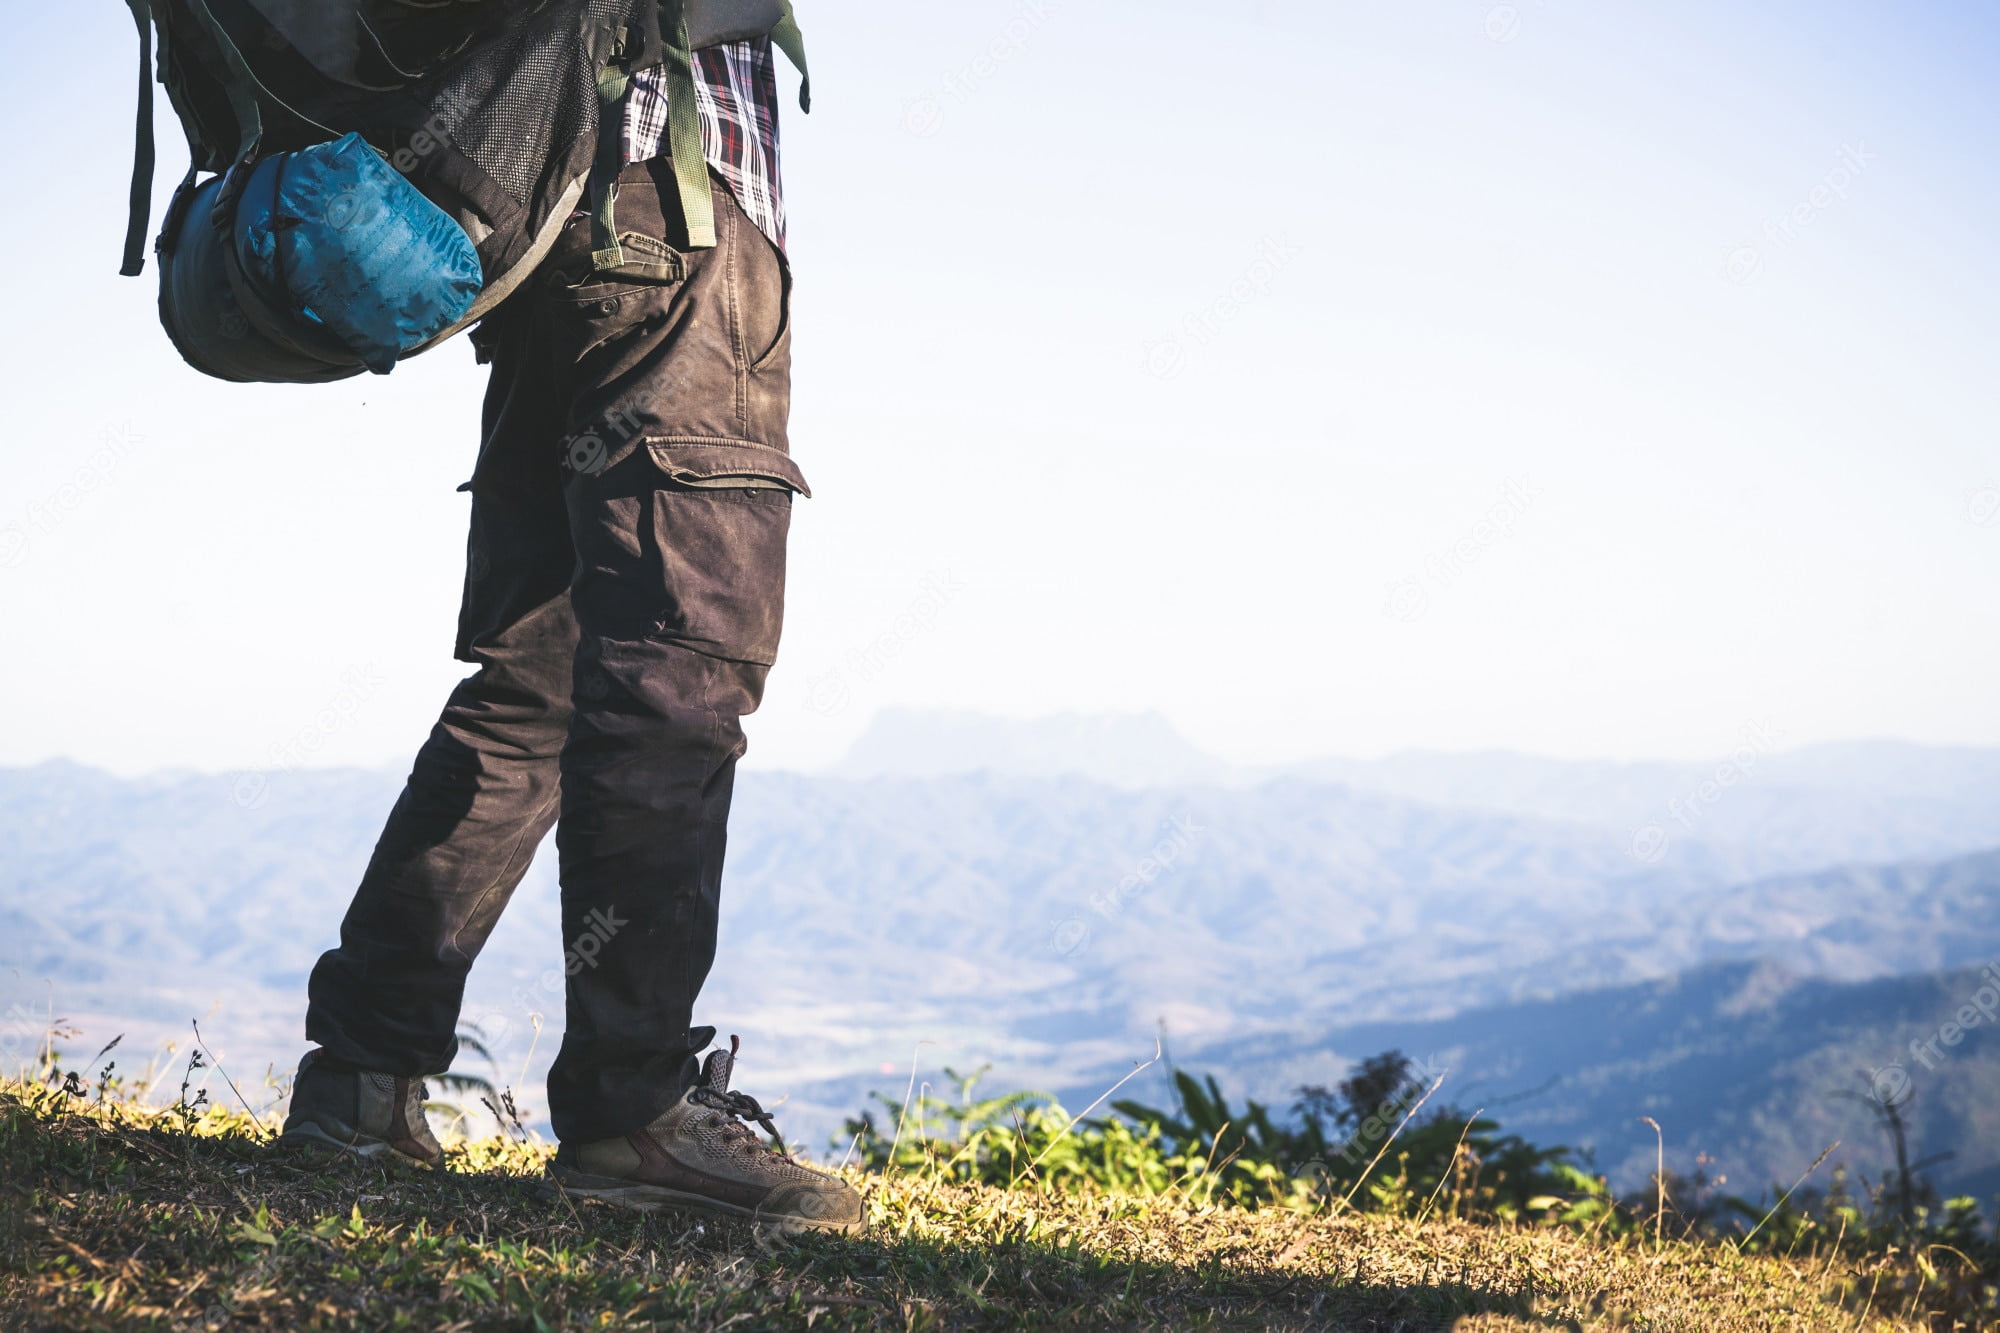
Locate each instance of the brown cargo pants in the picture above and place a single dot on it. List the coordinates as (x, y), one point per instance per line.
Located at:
(624, 590)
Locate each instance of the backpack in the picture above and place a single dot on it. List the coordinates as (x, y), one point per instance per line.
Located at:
(494, 119)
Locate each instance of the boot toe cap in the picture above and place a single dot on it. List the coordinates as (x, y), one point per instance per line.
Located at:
(829, 1203)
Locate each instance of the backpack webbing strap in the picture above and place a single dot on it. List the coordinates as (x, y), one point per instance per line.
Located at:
(684, 129)
(684, 145)
(247, 97)
(605, 250)
(787, 38)
(141, 219)
(241, 85)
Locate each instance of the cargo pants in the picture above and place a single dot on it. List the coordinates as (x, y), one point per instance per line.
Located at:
(623, 595)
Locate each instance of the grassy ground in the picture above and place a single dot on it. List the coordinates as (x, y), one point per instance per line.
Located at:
(118, 1217)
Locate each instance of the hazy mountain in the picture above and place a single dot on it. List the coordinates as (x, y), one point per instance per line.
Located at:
(1132, 750)
(1870, 800)
(1781, 809)
(1046, 924)
(1750, 1064)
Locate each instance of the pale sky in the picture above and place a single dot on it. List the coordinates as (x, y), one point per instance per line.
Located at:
(1579, 377)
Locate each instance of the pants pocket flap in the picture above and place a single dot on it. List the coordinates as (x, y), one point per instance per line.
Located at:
(728, 464)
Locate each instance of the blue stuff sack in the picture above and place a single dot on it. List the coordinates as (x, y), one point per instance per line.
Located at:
(357, 249)
(312, 266)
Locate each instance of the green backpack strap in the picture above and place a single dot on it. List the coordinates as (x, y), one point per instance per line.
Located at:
(684, 129)
(606, 252)
(684, 146)
(141, 219)
(787, 38)
(684, 118)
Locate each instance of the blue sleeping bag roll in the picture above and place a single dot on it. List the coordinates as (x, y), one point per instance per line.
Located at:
(339, 264)
(356, 249)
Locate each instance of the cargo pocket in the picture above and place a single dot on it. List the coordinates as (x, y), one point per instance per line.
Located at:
(727, 465)
(647, 264)
(690, 551)
(603, 291)
(595, 308)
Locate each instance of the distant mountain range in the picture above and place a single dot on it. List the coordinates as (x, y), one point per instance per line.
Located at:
(1047, 907)
(1749, 1064)
(1787, 809)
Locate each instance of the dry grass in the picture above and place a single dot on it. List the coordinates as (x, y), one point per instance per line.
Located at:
(117, 1217)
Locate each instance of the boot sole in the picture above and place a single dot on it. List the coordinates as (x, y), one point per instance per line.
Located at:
(311, 1138)
(651, 1198)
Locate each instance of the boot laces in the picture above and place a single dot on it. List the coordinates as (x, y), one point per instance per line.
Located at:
(738, 1107)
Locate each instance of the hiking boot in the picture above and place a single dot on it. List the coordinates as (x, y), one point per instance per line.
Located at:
(701, 1154)
(338, 1108)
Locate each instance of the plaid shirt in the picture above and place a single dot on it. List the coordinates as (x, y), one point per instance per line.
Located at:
(736, 92)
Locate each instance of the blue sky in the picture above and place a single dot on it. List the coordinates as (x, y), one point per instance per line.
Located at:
(1585, 378)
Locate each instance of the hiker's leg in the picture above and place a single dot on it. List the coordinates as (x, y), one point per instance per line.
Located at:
(679, 505)
(484, 789)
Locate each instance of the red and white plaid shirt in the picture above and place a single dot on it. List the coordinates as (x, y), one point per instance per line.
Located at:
(736, 92)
